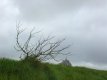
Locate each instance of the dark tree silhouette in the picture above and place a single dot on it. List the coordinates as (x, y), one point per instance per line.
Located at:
(43, 50)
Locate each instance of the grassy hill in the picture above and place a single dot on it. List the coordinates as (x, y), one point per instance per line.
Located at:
(19, 70)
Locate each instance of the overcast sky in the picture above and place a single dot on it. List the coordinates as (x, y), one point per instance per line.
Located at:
(82, 22)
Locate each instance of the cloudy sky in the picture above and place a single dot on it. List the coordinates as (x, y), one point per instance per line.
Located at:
(82, 22)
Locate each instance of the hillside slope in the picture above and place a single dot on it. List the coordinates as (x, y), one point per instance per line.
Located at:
(18, 70)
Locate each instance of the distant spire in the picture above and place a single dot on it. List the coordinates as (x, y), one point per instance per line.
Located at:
(66, 62)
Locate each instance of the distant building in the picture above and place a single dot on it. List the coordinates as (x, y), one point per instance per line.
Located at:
(66, 62)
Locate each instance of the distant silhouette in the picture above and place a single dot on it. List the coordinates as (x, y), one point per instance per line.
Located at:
(66, 62)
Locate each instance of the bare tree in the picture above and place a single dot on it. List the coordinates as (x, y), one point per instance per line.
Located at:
(43, 50)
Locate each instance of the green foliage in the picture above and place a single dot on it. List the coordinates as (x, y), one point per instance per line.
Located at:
(25, 70)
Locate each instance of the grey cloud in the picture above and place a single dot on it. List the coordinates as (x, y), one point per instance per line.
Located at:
(43, 10)
(83, 22)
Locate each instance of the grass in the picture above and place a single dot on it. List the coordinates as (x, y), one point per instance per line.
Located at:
(19, 70)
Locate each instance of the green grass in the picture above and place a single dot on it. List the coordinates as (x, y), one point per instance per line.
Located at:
(19, 70)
